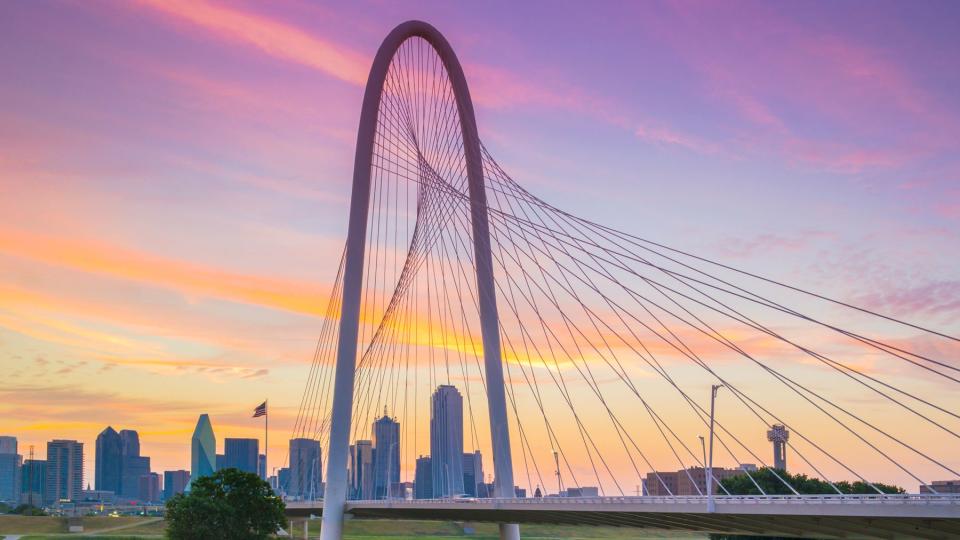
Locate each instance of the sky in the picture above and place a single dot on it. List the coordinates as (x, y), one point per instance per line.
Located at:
(174, 175)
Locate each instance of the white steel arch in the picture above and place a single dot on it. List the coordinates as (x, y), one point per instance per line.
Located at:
(335, 493)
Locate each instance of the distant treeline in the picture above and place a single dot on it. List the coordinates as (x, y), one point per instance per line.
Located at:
(767, 479)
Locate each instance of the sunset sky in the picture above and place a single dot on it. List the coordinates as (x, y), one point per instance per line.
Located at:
(174, 175)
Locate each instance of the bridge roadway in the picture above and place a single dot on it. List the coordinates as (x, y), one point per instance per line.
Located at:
(820, 516)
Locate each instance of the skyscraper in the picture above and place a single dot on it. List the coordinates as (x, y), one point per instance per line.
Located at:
(386, 455)
(133, 468)
(130, 441)
(9, 470)
(33, 481)
(133, 465)
(148, 487)
(174, 482)
(305, 469)
(108, 461)
(8, 444)
(242, 454)
(361, 470)
(64, 471)
(472, 472)
(423, 479)
(446, 441)
(262, 466)
(283, 480)
(203, 450)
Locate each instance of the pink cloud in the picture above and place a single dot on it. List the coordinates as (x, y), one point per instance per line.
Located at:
(804, 94)
(265, 103)
(491, 87)
(769, 242)
(270, 36)
(499, 88)
(948, 206)
(670, 137)
(936, 298)
(843, 157)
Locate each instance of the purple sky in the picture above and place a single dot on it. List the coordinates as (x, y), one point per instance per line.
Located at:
(174, 175)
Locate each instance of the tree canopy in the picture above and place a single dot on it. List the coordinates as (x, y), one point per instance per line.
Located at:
(28, 510)
(228, 505)
(805, 485)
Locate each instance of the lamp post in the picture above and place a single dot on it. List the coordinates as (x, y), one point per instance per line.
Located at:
(556, 462)
(703, 448)
(711, 505)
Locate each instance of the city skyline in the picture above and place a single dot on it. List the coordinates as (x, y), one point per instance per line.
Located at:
(176, 223)
(302, 478)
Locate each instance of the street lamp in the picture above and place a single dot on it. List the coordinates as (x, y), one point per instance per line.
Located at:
(556, 462)
(711, 505)
(703, 447)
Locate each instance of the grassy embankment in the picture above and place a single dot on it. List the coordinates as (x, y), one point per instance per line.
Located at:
(136, 528)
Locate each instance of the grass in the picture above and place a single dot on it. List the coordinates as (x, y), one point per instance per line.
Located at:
(31, 524)
(44, 528)
(133, 526)
(408, 530)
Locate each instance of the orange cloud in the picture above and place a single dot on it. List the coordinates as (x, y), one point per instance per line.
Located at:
(150, 339)
(190, 279)
(67, 334)
(304, 298)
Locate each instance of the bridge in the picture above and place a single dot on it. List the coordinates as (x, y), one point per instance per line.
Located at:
(470, 318)
(819, 516)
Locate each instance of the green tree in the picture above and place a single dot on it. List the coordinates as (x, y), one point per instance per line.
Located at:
(28, 510)
(805, 485)
(228, 505)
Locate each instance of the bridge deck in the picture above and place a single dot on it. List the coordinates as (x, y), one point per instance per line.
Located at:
(873, 517)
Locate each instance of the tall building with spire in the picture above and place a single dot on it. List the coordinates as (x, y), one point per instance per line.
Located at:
(446, 441)
(203, 450)
(386, 455)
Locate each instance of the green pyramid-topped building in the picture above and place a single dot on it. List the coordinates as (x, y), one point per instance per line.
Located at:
(203, 450)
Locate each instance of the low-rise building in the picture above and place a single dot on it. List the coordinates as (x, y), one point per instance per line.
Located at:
(583, 491)
(941, 487)
(686, 482)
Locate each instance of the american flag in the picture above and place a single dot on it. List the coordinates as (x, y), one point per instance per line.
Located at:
(261, 410)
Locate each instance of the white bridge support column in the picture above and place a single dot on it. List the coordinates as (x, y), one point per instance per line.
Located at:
(335, 494)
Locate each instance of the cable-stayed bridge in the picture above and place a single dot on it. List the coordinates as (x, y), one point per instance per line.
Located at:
(470, 317)
(816, 516)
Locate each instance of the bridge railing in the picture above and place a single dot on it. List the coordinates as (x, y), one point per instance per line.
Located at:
(895, 499)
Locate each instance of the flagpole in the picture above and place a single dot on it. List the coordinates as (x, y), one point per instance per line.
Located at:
(266, 438)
